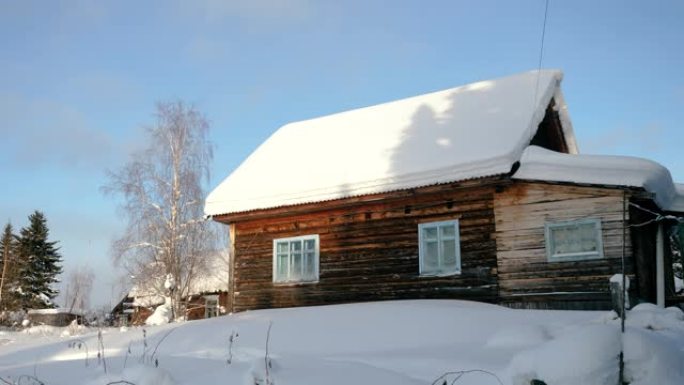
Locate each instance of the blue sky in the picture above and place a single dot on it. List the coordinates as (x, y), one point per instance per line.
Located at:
(80, 79)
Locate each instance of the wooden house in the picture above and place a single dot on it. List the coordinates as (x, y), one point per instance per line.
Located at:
(208, 293)
(134, 308)
(206, 296)
(207, 305)
(476, 192)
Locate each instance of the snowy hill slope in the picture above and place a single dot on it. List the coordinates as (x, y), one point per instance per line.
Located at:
(398, 342)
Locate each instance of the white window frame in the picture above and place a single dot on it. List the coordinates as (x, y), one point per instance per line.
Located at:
(213, 298)
(457, 246)
(302, 238)
(551, 256)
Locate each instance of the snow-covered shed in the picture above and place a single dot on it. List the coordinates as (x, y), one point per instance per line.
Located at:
(443, 195)
(208, 292)
(206, 295)
(53, 317)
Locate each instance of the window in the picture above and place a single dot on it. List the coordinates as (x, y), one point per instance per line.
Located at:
(211, 306)
(295, 259)
(573, 240)
(439, 248)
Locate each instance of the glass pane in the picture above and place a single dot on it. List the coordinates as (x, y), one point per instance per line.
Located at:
(577, 238)
(587, 237)
(282, 247)
(447, 231)
(430, 257)
(448, 256)
(281, 270)
(310, 245)
(296, 263)
(296, 246)
(310, 266)
(430, 233)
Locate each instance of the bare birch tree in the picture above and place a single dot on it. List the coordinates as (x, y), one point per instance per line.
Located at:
(163, 195)
(79, 284)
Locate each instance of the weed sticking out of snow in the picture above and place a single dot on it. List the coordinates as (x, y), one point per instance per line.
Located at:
(453, 377)
(393, 342)
(101, 359)
(231, 341)
(79, 344)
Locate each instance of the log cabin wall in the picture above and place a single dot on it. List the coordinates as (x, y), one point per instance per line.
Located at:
(368, 248)
(195, 308)
(526, 278)
(140, 314)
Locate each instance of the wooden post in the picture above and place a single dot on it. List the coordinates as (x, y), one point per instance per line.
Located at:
(231, 266)
(623, 291)
(660, 266)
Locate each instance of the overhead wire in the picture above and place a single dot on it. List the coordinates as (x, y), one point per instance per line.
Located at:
(541, 52)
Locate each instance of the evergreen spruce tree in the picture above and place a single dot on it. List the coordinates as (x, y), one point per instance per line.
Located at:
(41, 263)
(8, 269)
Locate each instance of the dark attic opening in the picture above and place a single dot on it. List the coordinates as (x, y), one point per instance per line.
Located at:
(550, 132)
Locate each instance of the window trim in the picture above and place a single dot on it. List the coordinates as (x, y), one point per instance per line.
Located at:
(316, 239)
(457, 240)
(579, 256)
(211, 297)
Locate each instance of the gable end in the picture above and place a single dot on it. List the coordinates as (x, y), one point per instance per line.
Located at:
(550, 131)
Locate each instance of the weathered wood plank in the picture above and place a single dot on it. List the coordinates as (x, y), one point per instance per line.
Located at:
(521, 211)
(370, 250)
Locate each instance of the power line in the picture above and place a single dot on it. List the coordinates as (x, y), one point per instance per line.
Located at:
(541, 51)
(657, 217)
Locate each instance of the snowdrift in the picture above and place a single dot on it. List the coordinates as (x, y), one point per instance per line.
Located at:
(396, 342)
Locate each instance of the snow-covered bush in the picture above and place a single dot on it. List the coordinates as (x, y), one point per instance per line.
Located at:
(12, 318)
(161, 315)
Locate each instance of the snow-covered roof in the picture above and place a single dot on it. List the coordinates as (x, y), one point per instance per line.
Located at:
(145, 299)
(53, 311)
(541, 164)
(216, 277)
(471, 131)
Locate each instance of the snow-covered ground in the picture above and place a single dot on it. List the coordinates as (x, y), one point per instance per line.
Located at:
(398, 342)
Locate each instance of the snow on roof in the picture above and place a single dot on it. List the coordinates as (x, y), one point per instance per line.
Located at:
(145, 299)
(213, 278)
(216, 277)
(541, 164)
(147, 292)
(52, 311)
(475, 130)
